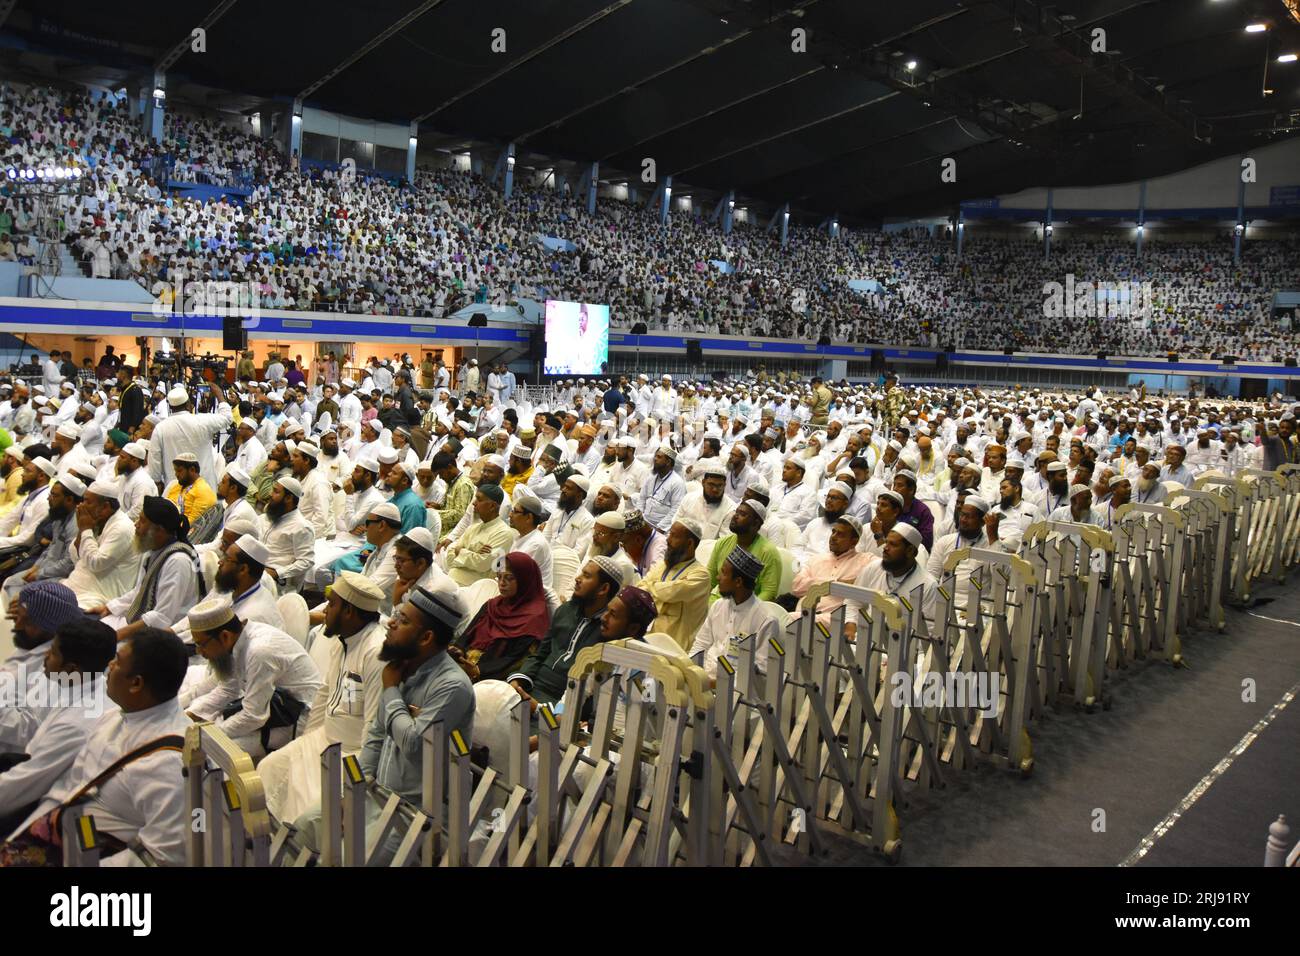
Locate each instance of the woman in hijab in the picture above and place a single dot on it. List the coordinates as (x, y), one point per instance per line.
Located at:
(508, 627)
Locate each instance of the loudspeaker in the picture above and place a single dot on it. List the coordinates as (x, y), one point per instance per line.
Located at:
(1290, 363)
(1008, 351)
(234, 337)
(1173, 356)
(694, 351)
(877, 360)
(824, 340)
(478, 320)
(1229, 360)
(639, 329)
(941, 362)
(1101, 356)
(537, 345)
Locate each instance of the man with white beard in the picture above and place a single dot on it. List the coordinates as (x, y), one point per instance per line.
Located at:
(1148, 489)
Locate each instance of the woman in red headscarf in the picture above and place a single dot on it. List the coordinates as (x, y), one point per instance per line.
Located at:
(510, 626)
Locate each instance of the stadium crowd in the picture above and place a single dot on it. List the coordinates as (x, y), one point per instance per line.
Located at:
(303, 573)
(310, 238)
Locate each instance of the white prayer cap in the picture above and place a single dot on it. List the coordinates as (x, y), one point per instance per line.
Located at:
(1116, 479)
(252, 548)
(291, 485)
(668, 451)
(45, 465)
(69, 430)
(187, 458)
(73, 484)
(524, 452)
(135, 450)
(1078, 490)
(106, 489)
(497, 460)
(241, 525)
(978, 503)
(1054, 467)
(755, 506)
(358, 590)
(582, 481)
(386, 510)
(388, 456)
(153, 418)
(842, 487)
(211, 614)
(759, 487)
(907, 532)
(800, 463)
(410, 470)
(895, 444)
(690, 524)
(422, 537)
(892, 495)
(308, 450)
(853, 521)
(1020, 436)
(293, 428)
(238, 475)
(15, 451)
(178, 396)
(612, 520)
(369, 464)
(713, 471)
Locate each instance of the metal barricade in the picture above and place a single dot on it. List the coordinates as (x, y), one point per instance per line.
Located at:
(225, 802)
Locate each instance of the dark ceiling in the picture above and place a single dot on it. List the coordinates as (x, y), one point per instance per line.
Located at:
(714, 93)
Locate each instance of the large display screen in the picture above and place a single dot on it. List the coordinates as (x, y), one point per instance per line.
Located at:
(577, 338)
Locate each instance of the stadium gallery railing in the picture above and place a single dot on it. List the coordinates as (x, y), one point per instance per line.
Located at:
(649, 763)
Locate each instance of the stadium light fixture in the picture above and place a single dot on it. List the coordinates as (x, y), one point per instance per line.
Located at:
(911, 66)
(1287, 58)
(1256, 27)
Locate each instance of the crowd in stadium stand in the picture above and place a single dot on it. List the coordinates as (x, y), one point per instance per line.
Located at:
(307, 239)
(476, 541)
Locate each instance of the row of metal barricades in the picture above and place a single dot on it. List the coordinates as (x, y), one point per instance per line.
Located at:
(647, 762)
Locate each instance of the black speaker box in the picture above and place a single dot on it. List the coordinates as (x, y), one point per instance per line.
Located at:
(694, 351)
(639, 329)
(537, 345)
(478, 320)
(234, 337)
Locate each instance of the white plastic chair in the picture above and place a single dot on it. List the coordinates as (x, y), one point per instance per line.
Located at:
(704, 550)
(475, 596)
(208, 562)
(293, 608)
(778, 614)
(433, 522)
(564, 570)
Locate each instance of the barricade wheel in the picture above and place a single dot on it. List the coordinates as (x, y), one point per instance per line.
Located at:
(893, 850)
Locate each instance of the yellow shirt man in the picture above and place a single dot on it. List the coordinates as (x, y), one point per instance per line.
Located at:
(681, 596)
(192, 501)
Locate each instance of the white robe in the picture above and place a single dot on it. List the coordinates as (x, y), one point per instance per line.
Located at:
(726, 620)
(195, 433)
(107, 564)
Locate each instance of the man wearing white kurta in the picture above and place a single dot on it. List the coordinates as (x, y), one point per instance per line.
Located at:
(897, 573)
(795, 499)
(528, 510)
(169, 578)
(662, 492)
(184, 431)
(137, 483)
(346, 702)
(317, 502)
(571, 522)
(247, 661)
(144, 801)
(289, 539)
(106, 559)
(737, 614)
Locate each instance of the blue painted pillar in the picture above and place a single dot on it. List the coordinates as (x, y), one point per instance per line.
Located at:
(1047, 228)
(592, 185)
(1142, 215)
(961, 232)
(155, 106)
(785, 223)
(509, 156)
(476, 164)
(1240, 230)
(728, 210)
(633, 195)
(411, 145)
(665, 199)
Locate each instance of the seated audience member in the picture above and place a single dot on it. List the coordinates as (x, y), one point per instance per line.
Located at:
(74, 668)
(739, 614)
(106, 561)
(37, 613)
(679, 584)
(544, 675)
(474, 555)
(137, 801)
(191, 495)
(628, 616)
(51, 559)
(414, 563)
(347, 701)
(170, 581)
(510, 626)
(746, 521)
(897, 573)
(843, 563)
(259, 682)
(422, 683)
(290, 540)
